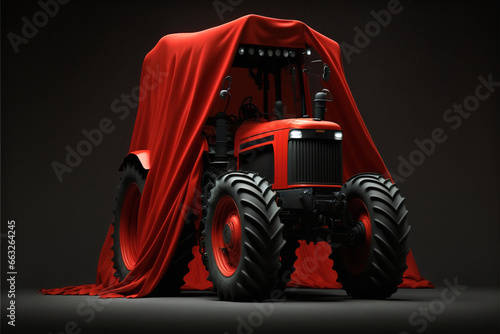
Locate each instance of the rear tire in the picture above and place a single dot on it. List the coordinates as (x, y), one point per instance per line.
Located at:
(126, 213)
(125, 247)
(243, 237)
(373, 267)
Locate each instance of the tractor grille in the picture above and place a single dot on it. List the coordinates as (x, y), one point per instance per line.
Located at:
(316, 161)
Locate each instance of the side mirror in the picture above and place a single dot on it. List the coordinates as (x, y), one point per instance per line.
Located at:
(225, 91)
(326, 72)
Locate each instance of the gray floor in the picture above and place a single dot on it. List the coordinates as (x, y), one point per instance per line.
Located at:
(298, 311)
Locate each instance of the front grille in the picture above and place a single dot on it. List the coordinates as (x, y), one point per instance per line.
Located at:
(315, 161)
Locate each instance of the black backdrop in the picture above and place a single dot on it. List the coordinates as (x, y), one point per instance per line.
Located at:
(404, 76)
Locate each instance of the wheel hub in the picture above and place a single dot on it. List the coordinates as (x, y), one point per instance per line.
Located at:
(356, 254)
(226, 236)
(227, 233)
(358, 233)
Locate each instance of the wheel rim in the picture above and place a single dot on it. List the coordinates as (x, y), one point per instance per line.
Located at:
(226, 236)
(355, 257)
(128, 225)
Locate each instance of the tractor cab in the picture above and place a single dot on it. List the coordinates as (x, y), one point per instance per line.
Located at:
(277, 82)
(273, 118)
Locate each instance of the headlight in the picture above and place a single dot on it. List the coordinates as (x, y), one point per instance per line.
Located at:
(295, 134)
(338, 135)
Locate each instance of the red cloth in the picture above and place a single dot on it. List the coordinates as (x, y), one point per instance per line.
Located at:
(180, 84)
(314, 272)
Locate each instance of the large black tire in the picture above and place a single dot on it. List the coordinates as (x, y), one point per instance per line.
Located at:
(125, 218)
(243, 237)
(125, 225)
(207, 184)
(373, 267)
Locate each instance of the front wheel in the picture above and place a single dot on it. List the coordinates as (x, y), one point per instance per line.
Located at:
(373, 266)
(243, 237)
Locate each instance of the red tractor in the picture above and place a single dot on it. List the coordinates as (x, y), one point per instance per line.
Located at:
(273, 176)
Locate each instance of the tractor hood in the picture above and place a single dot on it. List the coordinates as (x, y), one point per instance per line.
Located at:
(251, 130)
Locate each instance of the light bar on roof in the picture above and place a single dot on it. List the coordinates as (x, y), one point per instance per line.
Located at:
(270, 51)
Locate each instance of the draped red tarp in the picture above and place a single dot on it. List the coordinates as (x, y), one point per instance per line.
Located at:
(180, 83)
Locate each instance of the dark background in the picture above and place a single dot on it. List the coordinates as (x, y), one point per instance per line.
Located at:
(65, 79)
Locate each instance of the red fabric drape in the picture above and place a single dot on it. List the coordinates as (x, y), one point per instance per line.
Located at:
(180, 82)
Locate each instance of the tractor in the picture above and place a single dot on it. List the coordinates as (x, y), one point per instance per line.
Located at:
(272, 176)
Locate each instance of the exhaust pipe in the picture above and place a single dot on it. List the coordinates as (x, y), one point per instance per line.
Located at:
(320, 100)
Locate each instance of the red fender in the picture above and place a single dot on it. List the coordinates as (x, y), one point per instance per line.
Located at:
(141, 157)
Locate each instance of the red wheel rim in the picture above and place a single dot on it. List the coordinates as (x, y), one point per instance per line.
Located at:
(356, 257)
(128, 225)
(226, 236)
